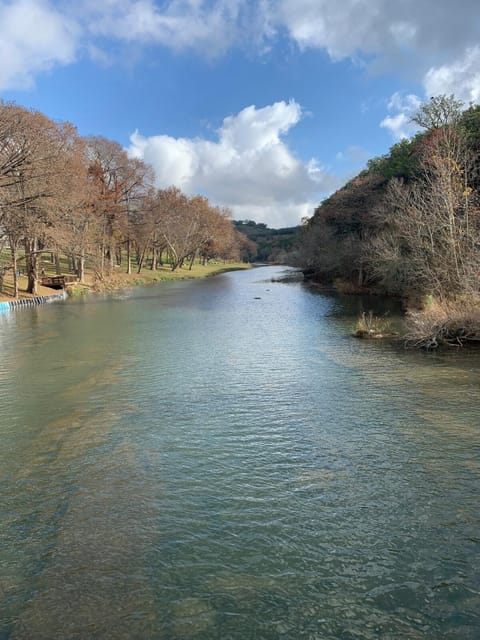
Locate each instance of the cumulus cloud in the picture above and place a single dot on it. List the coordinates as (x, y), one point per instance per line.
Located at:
(34, 37)
(461, 77)
(38, 35)
(434, 41)
(402, 108)
(426, 38)
(249, 168)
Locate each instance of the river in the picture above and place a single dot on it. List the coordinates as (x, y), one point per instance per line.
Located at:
(218, 459)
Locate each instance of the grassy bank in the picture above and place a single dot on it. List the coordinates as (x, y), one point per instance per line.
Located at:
(121, 280)
(118, 279)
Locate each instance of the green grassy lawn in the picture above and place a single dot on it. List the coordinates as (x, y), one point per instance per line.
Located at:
(118, 279)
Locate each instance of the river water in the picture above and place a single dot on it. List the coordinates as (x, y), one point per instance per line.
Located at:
(219, 459)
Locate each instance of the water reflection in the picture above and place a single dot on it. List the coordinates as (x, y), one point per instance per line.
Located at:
(219, 459)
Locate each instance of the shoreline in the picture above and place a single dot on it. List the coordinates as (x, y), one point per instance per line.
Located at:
(16, 303)
(117, 282)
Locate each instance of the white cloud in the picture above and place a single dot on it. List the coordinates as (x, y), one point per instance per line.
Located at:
(420, 37)
(461, 77)
(394, 32)
(342, 29)
(177, 24)
(250, 168)
(433, 41)
(34, 37)
(402, 109)
(352, 28)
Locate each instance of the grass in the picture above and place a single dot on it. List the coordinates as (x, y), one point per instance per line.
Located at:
(118, 279)
(453, 323)
(369, 325)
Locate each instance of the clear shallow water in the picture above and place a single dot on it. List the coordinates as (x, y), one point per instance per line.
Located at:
(189, 461)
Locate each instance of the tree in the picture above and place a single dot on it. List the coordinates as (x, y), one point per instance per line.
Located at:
(440, 111)
(428, 235)
(32, 157)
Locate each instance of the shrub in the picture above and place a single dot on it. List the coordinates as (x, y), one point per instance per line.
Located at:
(452, 323)
(370, 325)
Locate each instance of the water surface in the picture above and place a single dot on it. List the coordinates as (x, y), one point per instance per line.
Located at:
(219, 459)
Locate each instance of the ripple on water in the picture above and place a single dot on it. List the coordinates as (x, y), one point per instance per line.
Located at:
(204, 466)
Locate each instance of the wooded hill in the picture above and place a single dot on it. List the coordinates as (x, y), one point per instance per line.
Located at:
(409, 225)
(269, 245)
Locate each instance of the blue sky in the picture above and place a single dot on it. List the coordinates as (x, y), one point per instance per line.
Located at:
(265, 107)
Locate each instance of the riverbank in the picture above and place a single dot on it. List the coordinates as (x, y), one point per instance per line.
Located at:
(16, 303)
(447, 323)
(119, 280)
(430, 323)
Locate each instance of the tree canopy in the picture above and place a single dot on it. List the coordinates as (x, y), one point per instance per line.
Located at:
(87, 199)
(410, 223)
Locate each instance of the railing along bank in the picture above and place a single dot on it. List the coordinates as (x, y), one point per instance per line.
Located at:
(31, 302)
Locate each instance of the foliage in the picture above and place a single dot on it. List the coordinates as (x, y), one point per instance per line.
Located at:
(447, 322)
(84, 198)
(408, 225)
(401, 162)
(371, 325)
(440, 111)
(269, 245)
(331, 243)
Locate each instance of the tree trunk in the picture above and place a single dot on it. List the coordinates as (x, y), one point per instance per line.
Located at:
(81, 267)
(140, 259)
(102, 260)
(13, 249)
(129, 257)
(153, 266)
(58, 268)
(360, 276)
(31, 256)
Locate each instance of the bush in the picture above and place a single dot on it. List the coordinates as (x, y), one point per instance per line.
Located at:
(451, 323)
(371, 326)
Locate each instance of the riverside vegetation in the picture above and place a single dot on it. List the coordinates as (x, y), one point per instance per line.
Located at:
(409, 226)
(118, 278)
(85, 207)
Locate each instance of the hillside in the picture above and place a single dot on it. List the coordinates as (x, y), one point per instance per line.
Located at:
(272, 245)
(409, 226)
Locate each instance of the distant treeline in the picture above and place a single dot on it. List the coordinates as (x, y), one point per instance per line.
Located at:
(267, 245)
(86, 199)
